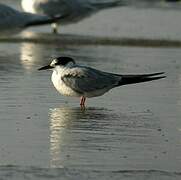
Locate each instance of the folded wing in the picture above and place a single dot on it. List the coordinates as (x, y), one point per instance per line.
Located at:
(84, 80)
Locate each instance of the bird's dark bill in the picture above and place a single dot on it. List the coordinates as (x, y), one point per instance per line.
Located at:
(45, 68)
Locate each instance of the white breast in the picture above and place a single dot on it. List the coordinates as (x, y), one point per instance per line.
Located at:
(28, 6)
(61, 86)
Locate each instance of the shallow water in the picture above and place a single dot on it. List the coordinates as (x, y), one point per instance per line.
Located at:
(131, 132)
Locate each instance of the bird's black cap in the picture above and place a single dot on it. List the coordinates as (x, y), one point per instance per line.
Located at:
(64, 60)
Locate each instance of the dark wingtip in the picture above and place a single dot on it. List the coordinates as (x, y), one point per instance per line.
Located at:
(153, 78)
(45, 20)
(133, 79)
(152, 74)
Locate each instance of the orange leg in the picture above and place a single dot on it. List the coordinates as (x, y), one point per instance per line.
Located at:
(82, 101)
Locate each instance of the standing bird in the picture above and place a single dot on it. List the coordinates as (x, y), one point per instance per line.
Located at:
(13, 21)
(71, 79)
(72, 10)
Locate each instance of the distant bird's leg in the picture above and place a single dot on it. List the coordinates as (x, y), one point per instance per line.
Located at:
(82, 101)
(55, 28)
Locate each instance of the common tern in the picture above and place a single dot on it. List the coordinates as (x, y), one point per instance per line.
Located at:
(13, 21)
(72, 10)
(71, 79)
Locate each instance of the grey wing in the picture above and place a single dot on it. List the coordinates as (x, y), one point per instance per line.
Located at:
(11, 19)
(72, 10)
(52, 8)
(84, 80)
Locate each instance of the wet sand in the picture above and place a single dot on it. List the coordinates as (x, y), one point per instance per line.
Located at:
(132, 132)
(74, 39)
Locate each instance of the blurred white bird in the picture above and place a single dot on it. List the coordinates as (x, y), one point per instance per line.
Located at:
(73, 10)
(13, 21)
(71, 79)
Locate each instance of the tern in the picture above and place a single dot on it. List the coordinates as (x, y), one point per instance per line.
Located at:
(72, 10)
(13, 21)
(71, 79)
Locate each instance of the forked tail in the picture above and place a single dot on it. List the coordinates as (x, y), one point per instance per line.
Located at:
(132, 79)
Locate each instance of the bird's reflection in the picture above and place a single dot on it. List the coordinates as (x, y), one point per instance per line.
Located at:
(177, 82)
(27, 57)
(66, 124)
(31, 53)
